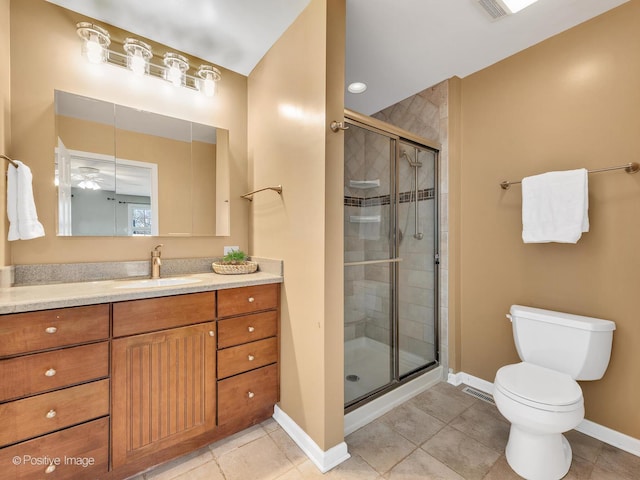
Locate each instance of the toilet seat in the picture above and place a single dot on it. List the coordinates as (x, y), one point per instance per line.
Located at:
(539, 387)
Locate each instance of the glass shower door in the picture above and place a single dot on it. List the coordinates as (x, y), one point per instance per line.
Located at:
(369, 271)
(417, 245)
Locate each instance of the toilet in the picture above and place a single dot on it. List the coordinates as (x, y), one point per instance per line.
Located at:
(540, 395)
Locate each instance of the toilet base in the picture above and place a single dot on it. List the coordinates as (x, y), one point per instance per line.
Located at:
(538, 456)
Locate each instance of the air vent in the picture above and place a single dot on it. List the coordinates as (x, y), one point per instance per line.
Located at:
(493, 8)
(485, 397)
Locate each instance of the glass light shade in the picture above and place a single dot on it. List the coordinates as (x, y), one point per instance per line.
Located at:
(176, 67)
(138, 55)
(209, 77)
(96, 41)
(89, 185)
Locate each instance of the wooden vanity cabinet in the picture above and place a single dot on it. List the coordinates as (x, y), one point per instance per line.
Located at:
(163, 382)
(54, 393)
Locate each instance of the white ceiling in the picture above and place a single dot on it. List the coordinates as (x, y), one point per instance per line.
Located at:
(398, 47)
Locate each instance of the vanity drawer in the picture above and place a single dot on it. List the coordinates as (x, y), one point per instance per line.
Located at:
(234, 360)
(147, 315)
(236, 301)
(52, 411)
(40, 372)
(236, 331)
(33, 331)
(66, 450)
(247, 398)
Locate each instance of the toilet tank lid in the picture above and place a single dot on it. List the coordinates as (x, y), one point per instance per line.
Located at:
(560, 318)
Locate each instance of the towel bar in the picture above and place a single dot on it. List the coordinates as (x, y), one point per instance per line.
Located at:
(9, 160)
(631, 167)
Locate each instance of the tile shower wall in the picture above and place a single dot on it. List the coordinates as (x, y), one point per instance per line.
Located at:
(426, 114)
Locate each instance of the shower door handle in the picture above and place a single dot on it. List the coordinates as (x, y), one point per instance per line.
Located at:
(372, 262)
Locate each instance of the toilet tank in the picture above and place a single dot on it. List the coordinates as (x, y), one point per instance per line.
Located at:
(573, 344)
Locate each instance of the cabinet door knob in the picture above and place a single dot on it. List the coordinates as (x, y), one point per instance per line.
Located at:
(50, 373)
(212, 333)
(251, 299)
(50, 469)
(51, 329)
(251, 394)
(251, 358)
(251, 329)
(51, 413)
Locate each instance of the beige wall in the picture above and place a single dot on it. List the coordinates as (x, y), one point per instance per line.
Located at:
(571, 101)
(51, 60)
(290, 90)
(5, 120)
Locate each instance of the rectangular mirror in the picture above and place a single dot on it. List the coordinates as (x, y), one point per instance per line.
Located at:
(127, 172)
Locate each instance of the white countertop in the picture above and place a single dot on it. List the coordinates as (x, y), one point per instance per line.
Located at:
(60, 295)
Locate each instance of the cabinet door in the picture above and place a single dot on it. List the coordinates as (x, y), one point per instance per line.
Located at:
(163, 390)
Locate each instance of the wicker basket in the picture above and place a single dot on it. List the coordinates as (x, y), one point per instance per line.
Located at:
(223, 269)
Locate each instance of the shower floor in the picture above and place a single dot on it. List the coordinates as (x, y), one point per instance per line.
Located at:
(369, 360)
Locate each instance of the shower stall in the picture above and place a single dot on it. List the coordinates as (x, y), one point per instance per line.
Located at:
(390, 257)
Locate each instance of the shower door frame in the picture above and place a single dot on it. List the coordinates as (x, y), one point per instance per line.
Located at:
(399, 135)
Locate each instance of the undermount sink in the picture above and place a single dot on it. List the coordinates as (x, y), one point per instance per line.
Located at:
(158, 282)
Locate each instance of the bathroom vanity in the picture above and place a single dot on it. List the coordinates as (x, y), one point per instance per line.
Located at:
(108, 390)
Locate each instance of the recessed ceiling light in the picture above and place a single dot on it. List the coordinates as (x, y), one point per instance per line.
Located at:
(357, 87)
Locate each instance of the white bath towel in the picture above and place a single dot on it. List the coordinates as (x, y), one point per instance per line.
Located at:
(21, 209)
(555, 207)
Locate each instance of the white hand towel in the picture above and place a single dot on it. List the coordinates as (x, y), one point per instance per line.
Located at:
(555, 207)
(21, 209)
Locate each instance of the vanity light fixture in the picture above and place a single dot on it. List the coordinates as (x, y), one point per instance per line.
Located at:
(176, 68)
(96, 41)
(209, 78)
(138, 55)
(138, 58)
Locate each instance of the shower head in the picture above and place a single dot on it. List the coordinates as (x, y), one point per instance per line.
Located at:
(413, 163)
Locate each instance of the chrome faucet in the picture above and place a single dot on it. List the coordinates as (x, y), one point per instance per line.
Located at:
(155, 261)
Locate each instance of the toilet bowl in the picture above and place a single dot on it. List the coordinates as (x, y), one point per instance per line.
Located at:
(541, 404)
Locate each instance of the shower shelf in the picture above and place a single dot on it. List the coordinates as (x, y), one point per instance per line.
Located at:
(364, 183)
(364, 219)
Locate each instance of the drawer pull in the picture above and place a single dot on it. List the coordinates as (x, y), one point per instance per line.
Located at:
(251, 358)
(251, 394)
(51, 413)
(251, 299)
(212, 333)
(50, 469)
(51, 329)
(50, 373)
(251, 329)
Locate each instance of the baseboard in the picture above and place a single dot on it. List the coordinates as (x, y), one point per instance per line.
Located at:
(599, 432)
(324, 460)
(381, 405)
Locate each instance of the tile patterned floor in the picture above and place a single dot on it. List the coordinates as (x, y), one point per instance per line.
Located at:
(442, 433)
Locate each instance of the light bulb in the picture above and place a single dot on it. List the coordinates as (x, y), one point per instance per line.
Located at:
(174, 75)
(138, 64)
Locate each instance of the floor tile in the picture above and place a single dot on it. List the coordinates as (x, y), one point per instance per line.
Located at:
(599, 473)
(420, 466)
(580, 469)
(501, 471)
(584, 446)
(237, 440)
(412, 423)
(618, 461)
(379, 445)
(288, 446)
(441, 405)
(461, 453)
(483, 423)
(177, 467)
(258, 460)
(207, 471)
